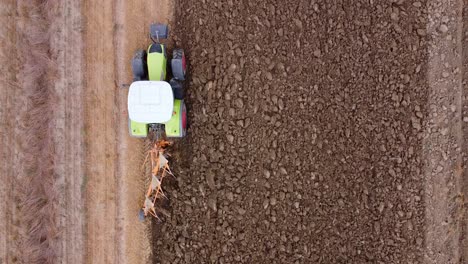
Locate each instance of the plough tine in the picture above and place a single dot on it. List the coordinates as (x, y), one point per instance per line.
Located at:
(159, 168)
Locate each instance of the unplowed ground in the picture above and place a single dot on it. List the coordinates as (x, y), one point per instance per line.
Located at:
(93, 168)
(115, 180)
(42, 209)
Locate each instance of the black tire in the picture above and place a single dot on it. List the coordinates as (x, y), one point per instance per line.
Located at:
(178, 64)
(177, 88)
(139, 68)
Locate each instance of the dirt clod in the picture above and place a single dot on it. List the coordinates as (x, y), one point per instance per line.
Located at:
(443, 28)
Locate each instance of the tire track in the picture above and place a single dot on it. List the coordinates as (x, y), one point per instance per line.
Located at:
(10, 101)
(67, 49)
(443, 138)
(464, 112)
(100, 118)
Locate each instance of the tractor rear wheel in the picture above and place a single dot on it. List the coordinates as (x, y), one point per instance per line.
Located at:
(178, 64)
(139, 67)
(177, 88)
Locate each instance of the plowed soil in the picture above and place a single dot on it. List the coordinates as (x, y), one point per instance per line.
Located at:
(318, 131)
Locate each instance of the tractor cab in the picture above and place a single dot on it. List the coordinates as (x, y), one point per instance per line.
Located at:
(150, 101)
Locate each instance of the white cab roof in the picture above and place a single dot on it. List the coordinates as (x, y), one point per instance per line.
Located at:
(150, 101)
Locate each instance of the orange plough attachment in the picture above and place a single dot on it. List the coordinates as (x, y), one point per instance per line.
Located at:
(159, 170)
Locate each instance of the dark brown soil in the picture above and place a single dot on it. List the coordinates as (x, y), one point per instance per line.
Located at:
(306, 121)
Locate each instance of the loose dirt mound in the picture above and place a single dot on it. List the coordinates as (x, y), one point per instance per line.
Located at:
(305, 143)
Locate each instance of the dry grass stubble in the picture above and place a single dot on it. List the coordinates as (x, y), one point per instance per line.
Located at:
(39, 198)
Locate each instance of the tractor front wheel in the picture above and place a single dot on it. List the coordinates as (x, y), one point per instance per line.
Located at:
(139, 67)
(178, 64)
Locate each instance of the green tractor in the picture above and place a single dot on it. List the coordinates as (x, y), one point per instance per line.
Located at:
(153, 103)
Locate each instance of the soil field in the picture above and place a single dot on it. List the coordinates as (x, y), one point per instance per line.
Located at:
(319, 132)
